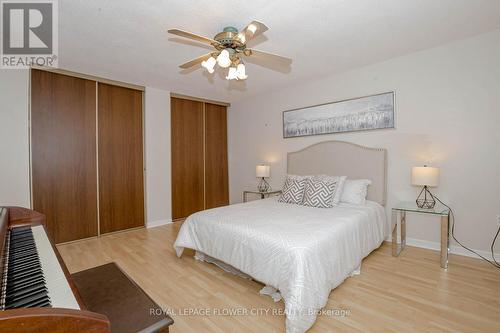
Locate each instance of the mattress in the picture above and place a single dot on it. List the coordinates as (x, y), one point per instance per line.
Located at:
(304, 252)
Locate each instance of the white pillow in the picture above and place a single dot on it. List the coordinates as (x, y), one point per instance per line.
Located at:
(340, 180)
(355, 191)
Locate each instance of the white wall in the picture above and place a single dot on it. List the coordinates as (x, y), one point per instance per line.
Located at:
(157, 133)
(14, 139)
(14, 146)
(447, 115)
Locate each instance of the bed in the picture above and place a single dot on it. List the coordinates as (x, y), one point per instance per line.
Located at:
(304, 252)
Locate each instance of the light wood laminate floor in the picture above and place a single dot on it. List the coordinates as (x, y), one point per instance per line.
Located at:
(410, 293)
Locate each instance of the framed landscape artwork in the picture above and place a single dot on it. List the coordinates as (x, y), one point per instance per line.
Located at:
(357, 114)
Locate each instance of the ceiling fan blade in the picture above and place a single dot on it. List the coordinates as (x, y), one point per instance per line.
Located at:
(268, 56)
(196, 61)
(253, 29)
(190, 35)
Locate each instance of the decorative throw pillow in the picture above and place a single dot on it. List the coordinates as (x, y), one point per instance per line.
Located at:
(340, 180)
(319, 193)
(355, 191)
(293, 190)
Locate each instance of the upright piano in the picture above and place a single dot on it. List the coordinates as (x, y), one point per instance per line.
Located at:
(37, 293)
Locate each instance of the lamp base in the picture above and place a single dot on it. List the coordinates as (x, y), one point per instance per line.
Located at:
(425, 199)
(263, 186)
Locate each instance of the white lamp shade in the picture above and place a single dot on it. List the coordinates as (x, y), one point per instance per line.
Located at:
(425, 176)
(262, 171)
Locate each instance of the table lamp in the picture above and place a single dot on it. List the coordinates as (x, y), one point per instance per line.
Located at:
(263, 172)
(427, 177)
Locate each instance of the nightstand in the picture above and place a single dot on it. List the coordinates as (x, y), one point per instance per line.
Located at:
(263, 195)
(410, 207)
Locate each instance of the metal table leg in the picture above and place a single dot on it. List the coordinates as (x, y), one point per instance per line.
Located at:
(396, 249)
(445, 240)
(403, 230)
(394, 224)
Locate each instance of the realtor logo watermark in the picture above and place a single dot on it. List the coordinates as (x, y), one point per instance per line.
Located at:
(29, 33)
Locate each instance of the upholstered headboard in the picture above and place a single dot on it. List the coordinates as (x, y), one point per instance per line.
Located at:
(339, 158)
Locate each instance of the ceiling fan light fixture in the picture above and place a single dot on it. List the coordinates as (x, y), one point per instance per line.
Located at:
(230, 45)
(209, 64)
(240, 71)
(223, 60)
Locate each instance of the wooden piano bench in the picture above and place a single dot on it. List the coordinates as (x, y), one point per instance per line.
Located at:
(108, 290)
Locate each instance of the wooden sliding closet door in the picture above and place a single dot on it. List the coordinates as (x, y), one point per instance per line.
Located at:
(187, 157)
(63, 145)
(216, 179)
(120, 146)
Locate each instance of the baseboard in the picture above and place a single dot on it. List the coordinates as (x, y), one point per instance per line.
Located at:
(454, 249)
(157, 223)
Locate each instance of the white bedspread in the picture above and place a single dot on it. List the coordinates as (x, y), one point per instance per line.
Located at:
(304, 252)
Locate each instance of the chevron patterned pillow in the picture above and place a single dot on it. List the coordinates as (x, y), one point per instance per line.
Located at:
(293, 190)
(319, 193)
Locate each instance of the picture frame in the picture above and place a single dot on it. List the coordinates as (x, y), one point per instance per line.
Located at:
(366, 113)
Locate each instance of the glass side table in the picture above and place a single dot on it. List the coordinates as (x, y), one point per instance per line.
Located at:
(410, 207)
(263, 195)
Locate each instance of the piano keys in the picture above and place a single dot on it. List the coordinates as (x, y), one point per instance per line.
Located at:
(24, 284)
(36, 291)
(58, 287)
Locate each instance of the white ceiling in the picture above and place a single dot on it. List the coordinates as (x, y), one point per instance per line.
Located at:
(126, 40)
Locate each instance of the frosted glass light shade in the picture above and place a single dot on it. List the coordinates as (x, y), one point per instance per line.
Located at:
(425, 176)
(240, 72)
(223, 59)
(262, 171)
(232, 74)
(209, 64)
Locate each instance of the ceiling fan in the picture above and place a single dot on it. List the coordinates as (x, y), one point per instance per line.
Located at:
(230, 47)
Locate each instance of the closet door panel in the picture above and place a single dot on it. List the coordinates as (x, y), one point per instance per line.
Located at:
(120, 150)
(187, 157)
(216, 173)
(63, 147)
